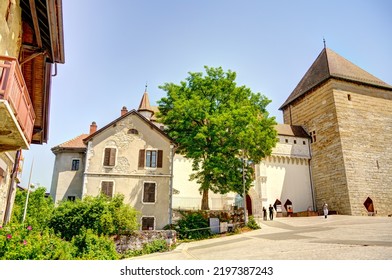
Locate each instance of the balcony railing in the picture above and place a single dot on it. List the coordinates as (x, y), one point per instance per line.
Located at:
(13, 89)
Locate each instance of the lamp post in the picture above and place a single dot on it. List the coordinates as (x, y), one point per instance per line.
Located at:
(244, 187)
(28, 192)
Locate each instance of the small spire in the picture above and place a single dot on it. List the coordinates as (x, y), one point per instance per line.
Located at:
(325, 44)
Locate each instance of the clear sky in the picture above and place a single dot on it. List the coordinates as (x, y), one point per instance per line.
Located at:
(112, 48)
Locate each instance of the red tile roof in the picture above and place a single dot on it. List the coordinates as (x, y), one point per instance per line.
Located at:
(75, 143)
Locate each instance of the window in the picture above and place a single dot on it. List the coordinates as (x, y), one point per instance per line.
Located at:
(133, 131)
(109, 157)
(148, 223)
(295, 141)
(349, 97)
(149, 192)
(71, 198)
(75, 164)
(286, 140)
(150, 158)
(313, 136)
(304, 142)
(107, 188)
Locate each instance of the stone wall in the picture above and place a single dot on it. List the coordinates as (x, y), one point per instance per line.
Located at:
(316, 113)
(137, 239)
(352, 154)
(365, 128)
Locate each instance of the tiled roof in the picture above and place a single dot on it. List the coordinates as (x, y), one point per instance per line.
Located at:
(74, 143)
(331, 65)
(291, 130)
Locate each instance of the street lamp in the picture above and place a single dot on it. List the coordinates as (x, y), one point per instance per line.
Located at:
(244, 187)
(28, 193)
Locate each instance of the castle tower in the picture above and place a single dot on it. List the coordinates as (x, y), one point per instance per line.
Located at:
(348, 114)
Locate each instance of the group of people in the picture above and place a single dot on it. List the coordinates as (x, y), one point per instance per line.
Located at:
(271, 212)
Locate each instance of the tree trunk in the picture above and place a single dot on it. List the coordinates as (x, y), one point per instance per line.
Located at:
(204, 201)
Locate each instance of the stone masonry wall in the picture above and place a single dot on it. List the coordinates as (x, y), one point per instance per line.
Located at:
(365, 125)
(316, 113)
(352, 155)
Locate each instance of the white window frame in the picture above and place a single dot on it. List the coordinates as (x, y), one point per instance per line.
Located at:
(78, 164)
(141, 222)
(156, 158)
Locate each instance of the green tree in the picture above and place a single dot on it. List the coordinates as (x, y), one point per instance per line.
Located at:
(39, 208)
(216, 124)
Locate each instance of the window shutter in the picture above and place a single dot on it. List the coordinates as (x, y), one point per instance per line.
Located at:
(107, 188)
(149, 192)
(112, 160)
(160, 159)
(106, 158)
(141, 158)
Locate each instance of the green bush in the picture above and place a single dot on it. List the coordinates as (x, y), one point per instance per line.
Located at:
(18, 242)
(252, 224)
(93, 247)
(193, 226)
(104, 216)
(158, 245)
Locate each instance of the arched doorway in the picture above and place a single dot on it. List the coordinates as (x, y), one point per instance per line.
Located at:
(369, 206)
(249, 205)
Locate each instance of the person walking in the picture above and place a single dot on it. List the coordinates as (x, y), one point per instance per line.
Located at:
(325, 209)
(264, 214)
(271, 212)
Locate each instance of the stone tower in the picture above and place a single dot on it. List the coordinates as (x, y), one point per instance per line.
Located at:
(348, 114)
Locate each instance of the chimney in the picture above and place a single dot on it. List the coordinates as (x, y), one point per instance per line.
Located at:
(124, 110)
(93, 127)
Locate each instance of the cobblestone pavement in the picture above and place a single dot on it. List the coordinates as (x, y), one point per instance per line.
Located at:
(338, 237)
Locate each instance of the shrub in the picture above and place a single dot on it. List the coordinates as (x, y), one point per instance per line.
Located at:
(252, 224)
(158, 245)
(193, 226)
(18, 242)
(104, 216)
(90, 246)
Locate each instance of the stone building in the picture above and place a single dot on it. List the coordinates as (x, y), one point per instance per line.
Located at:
(348, 114)
(31, 42)
(129, 156)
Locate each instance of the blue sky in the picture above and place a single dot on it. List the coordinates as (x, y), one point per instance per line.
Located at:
(112, 48)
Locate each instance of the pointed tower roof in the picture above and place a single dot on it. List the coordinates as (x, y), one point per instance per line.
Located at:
(145, 103)
(331, 65)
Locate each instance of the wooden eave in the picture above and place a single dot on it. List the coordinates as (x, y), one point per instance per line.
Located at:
(46, 18)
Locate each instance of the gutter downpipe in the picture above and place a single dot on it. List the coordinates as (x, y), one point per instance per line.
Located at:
(172, 151)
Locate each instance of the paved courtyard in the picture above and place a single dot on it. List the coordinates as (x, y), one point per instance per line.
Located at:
(338, 237)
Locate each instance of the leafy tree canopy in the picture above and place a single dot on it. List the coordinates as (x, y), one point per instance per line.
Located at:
(217, 123)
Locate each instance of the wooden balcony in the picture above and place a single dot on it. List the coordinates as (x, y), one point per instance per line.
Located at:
(16, 110)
